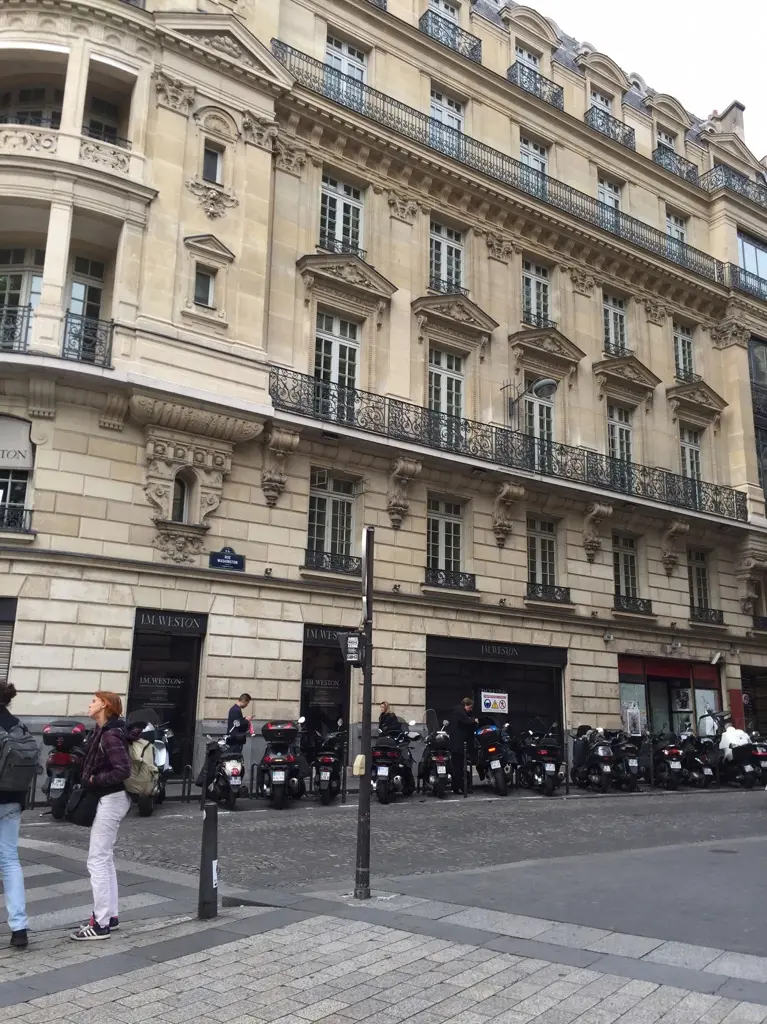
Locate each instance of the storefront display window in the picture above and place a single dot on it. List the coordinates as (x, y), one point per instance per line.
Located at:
(671, 696)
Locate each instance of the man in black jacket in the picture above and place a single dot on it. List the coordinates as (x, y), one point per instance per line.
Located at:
(11, 806)
(462, 722)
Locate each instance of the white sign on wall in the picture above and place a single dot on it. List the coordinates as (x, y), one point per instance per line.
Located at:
(494, 703)
(15, 445)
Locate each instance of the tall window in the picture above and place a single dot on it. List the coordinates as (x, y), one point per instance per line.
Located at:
(601, 100)
(212, 164)
(331, 514)
(21, 282)
(340, 215)
(697, 578)
(689, 445)
(350, 62)
(676, 227)
(336, 357)
(609, 193)
(445, 258)
(446, 125)
(104, 120)
(443, 536)
(625, 566)
(683, 360)
(535, 294)
(533, 154)
(527, 57)
(204, 287)
(752, 255)
(13, 495)
(541, 552)
(33, 105)
(446, 9)
(84, 339)
(614, 320)
(445, 383)
(179, 510)
(538, 424)
(666, 139)
(619, 446)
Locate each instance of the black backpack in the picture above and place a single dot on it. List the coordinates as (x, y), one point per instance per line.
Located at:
(19, 757)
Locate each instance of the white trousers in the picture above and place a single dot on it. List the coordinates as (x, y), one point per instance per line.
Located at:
(101, 862)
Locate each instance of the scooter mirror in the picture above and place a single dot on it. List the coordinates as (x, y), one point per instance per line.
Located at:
(301, 720)
(340, 722)
(411, 723)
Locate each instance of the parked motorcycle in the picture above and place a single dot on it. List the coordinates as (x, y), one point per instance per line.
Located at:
(328, 765)
(435, 768)
(592, 759)
(625, 760)
(62, 766)
(153, 733)
(279, 772)
(738, 763)
(392, 763)
(666, 759)
(760, 753)
(698, 760)
(494, 759)
(225, 767)
(540, 758)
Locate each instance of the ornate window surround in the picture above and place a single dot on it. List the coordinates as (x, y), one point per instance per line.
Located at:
(217, 126)
(545, 352)
(697, 404)
(626, 379)
(207, 249)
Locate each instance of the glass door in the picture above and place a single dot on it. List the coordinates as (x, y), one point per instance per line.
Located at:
(82, 337)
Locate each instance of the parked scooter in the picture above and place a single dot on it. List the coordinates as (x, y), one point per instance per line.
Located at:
(144, 725)
(392, 763)
(666, 759)
(738, 764)
(760, 753)
(224, 768)
(62, 766)
(698, 760)
(625, 760)
(328, 765)
(592, 759)
(279, 772)
(495, 761)
(435, 768)
(540, 759)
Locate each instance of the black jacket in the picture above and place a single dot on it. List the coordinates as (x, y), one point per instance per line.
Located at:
(388, 722)
(7, 721)
(461, 729)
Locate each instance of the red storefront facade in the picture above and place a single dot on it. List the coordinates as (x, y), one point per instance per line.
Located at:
(672, 694)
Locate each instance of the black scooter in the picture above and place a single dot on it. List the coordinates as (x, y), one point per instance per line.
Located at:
(392, 767)
(625, 760)
(592, 759)
(224, 769)
(540, 759)
(435, 768)
(328, 765)
(67, 738)
(495, 761)
(280, 777)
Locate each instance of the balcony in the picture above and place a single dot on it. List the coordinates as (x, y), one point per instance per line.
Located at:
(87, 340)
(687, 376)
(302, 395)
(744, 281)
(536, 319)
(379, 3)
(544, 592)
(610, 126)
(446, 286)
(445, 31)
(327, 561)
(666, 157)
(706, 616)
(14, 328)
(634, 605)
(525, 78)
(728, 178)
(31, 120)
(759, 400)
(450, 580)
(341, 245)
(102, 135)
(611, 349)
(413, 124)
(15, 520)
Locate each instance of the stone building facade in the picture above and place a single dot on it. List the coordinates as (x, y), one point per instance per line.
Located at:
(272, 272)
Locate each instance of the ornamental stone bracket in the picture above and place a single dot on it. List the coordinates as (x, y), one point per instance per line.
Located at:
(595, 516)
(547, 352)
(173, 93)
(279, 443)
(750, 574)
(397, 499)
(180, 543)
(202, 463)
(730, 332)
(669, 551)
(583, 282)
(113, 411)
(508, 494)
(655, 311)
(402, 207)
(290, 158)
(214, 200)
(625, 378)
(259, 131)
(41, 398)
(500, 248)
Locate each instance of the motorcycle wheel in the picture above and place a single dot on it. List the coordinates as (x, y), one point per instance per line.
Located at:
(278, 797)
(145, 806)
(632, 784)
(748, 781)
(672, 783)
(500, 781)
(382, 792)
(231, 800)
(605, 783)
(58, 809)
(325, 796)
(160, 795)
(440, 789)
(548, 786)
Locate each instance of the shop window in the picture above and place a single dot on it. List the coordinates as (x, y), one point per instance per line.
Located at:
(13, 496)
(7, 620)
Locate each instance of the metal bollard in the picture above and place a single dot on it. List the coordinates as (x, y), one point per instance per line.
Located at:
(254, 794)
(465, 773)
(207, 901)
(186, 784)
(344, 760)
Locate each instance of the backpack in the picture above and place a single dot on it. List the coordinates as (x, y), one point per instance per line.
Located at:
(143, 773)
(19, 757)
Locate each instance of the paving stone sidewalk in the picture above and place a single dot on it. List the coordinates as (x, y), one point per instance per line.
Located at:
(326, 958)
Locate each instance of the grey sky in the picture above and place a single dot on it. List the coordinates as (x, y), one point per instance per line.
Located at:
(703, 54)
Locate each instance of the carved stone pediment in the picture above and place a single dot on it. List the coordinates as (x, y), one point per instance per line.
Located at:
(545, 351)
(625, 378)
(453, 317)
(696, 403)
(208, 246)
(148, 410)
(346, 273)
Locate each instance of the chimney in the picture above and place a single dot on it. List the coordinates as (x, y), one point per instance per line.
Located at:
(731, 120)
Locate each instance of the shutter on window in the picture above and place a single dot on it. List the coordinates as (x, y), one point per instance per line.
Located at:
(6, 636)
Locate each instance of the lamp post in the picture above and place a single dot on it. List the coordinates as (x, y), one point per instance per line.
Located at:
(543, 388)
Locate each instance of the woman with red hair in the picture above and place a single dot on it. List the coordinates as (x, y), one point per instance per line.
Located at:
(105, 768)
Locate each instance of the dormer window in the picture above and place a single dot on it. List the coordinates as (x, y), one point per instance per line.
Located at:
(528, 58)
(601, 100)
(666, 139)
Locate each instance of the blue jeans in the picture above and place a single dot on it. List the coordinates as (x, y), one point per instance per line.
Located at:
(10, 868)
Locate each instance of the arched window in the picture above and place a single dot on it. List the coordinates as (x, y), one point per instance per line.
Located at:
(179, 510)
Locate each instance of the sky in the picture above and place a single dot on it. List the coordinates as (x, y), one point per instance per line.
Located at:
(703, 54)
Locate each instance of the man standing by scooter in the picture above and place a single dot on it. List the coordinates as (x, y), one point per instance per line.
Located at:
(237, 723)
(462, 722)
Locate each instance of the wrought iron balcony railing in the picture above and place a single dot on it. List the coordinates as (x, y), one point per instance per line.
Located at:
(136, 3)
(447, 286)
(328, 561)
(666, 157)
(610, 126)
(687, 376)
(15, 520)
(88, 340)
(412, 124)
(14, 328)
(525, 78)
(723, 176)
(744, 281)
(450, 580)
(611, 349)
(303, 395)
(33, 120)
(341, 245)
(760, 622)
(103, 135)
(545, 592)
(759, 400)
(379, 3)
(637, 605)
(709, 616)
(449, 34)
(536, 319)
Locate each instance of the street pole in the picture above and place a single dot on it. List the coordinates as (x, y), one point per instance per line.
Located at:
(207, 902)
(362, 876)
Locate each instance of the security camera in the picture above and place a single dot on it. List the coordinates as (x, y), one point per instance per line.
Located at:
(715, 657)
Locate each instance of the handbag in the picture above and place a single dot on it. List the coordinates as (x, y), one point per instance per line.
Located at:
(82, 806)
